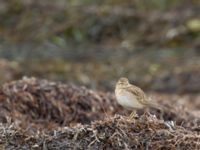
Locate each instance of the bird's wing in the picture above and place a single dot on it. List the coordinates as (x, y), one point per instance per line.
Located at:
(142, 98)
(139, 93)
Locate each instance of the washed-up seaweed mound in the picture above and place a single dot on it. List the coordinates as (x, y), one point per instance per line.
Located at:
(39, 114)
(117, 132)
(49, 103)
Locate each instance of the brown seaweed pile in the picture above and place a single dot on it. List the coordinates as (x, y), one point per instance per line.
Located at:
(117, 132)
(48, 103)
(39, 114)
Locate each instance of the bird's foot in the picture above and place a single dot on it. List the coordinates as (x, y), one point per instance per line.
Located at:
(147, 113)
(133, 115)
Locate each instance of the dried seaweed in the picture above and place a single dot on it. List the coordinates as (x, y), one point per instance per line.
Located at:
(117, 132)
(41, 102)
(39, 114)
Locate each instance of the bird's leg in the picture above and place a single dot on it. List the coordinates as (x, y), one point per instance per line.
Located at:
(133, 114)
(146, 112)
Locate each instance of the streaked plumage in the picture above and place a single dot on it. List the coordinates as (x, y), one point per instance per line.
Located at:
(131, 96)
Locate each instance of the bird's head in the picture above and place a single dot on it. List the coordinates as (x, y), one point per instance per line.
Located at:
(122, 82)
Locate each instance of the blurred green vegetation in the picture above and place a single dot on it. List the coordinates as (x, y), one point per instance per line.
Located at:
(79, 20)
(94, 42)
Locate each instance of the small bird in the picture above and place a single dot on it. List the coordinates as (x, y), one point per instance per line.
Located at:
(132, 97)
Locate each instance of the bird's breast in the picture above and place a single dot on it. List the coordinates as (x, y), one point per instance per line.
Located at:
(128, 100)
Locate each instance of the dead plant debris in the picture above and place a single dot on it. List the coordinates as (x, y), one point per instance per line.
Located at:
(39, 114)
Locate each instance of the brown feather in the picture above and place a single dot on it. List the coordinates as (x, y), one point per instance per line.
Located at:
(123, 84)
(139, 93)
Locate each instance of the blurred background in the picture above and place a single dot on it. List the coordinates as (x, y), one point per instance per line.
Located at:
(155, 43)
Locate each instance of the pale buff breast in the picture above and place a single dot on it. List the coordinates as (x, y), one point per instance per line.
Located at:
(127, 99)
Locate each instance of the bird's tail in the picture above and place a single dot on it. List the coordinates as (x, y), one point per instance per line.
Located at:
(154, 104)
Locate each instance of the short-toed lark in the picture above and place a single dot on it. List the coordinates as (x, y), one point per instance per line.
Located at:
(131, 96)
